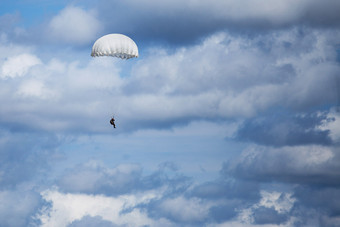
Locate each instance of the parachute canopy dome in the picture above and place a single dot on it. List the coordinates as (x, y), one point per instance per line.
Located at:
(115, 45)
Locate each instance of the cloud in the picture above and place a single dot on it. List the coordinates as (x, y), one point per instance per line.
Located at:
(95, 178)
(285, 130)
(153, 20)
(7, 22)
(228, 189)
(92, 222)
(280, 202)
(69, 208)
(227, 76)
(268, 216)
(18, 207)
(35, 88)
(183, 210)
(229, 201)
(19, 65)
(223, 77)
(273, 208)
(317, 205)
(332, 123)
(24, 157)
(74, 25)
(160, 199)
(302, 164)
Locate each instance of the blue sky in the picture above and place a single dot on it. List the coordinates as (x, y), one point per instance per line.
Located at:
(229, 117)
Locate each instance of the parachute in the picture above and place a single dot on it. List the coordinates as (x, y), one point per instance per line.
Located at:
(115, 45)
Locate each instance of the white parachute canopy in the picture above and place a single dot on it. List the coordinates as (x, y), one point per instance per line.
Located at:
(115, 45)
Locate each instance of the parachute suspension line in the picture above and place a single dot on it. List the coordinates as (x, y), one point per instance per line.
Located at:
(337, 109)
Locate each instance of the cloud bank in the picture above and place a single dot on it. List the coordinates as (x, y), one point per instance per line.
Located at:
(229, 117)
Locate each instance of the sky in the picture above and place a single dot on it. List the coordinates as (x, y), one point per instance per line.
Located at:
(230, 116)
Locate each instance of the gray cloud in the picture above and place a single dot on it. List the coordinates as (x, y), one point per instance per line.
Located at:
(18, 207)
(316, 206)
(25, 156)
(263, 215)
(227, 189)
(231, 195)
(314, 165)
(89, 221)
(225, 212)
(281, 129)
(319, 198)
(178, 22)
(310, 171)
(94, 178)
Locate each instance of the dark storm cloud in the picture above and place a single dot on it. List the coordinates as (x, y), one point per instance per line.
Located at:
(284, 129)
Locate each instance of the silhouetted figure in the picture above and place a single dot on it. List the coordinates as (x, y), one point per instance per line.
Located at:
(112, 122)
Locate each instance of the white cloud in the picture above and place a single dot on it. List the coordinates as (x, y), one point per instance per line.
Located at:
(35, 88)
(74, 25)
(281, 202)
(332, 123)
(19, 65)
(67, 208)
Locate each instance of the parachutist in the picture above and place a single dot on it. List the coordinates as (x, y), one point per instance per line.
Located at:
(112, 122)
